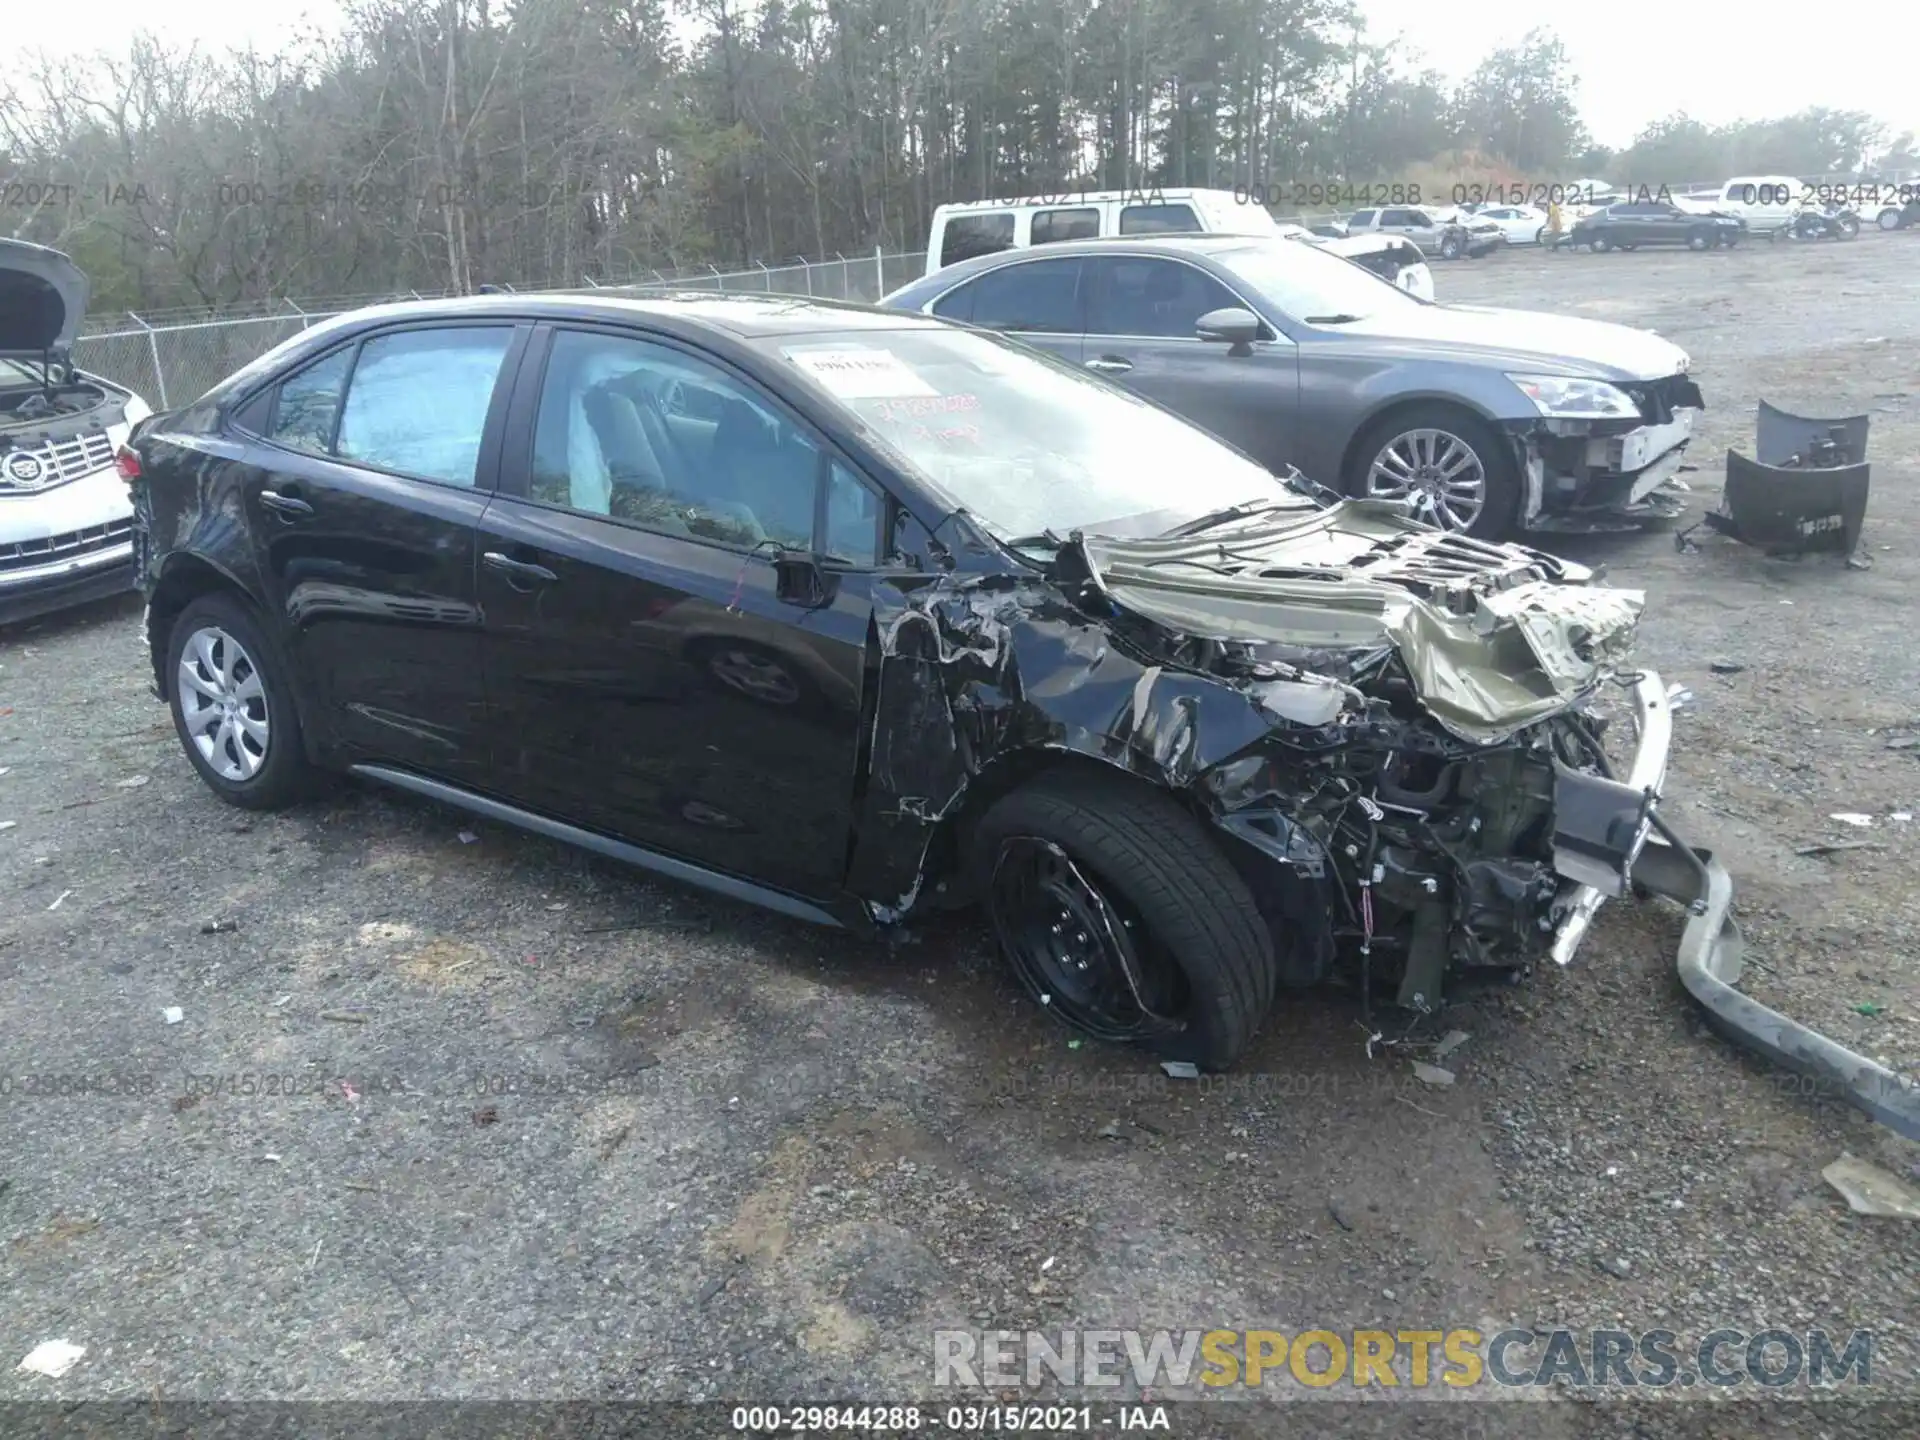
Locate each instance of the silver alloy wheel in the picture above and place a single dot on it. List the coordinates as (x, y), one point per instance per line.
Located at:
(223, 704)
(755, 676)
(1435, 471)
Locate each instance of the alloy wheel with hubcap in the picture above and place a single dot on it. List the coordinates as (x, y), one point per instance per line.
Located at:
(1437, 472)
(223, 704)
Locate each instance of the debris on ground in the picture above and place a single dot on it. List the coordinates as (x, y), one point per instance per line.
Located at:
(59, 900)
(1450, 1042)
(8, 824)
(1869, 1008)
(1181, 1069)
(344, 1017)
(486, 1115)
(219, 927)
(1339, 1216)
(1725, 667)
(132, 782)
(1869, 1190)
(467, 837)
(1852, 817)
(1617, 1266)
(1829, 847)
(173, 1015)
(1431, 1074)
(52, 1358)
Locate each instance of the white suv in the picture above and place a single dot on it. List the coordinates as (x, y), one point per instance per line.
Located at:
(66, 519)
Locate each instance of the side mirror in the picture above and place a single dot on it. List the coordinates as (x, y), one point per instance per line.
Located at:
(800, 579)
(1235, 327)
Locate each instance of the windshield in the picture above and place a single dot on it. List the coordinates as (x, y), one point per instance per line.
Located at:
(19, 372)
(1307, 284)
(1025, 443)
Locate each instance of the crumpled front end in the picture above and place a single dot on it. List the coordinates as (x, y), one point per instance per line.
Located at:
(1584, 476)
(1436, 765)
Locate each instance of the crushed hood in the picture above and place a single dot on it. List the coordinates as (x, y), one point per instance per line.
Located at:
(43, 299)
(1494, 637)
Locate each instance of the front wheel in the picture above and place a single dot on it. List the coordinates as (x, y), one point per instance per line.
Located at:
(1601, 244)
(1849, 228)
(1888, 220)
(233, 706)
(1123, 917)
(1446, 464)
(1450, 248)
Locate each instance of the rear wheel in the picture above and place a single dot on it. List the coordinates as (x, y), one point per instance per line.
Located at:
(1699, 240)
(1124, 919)
(1889, 220)
(1450, 247)
(1849, 227)
(233, 706)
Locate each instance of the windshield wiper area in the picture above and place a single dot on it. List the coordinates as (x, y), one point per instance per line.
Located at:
(1045, 540)
(1220, 517)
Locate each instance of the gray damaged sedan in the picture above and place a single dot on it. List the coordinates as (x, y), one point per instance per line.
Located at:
(1485, 421)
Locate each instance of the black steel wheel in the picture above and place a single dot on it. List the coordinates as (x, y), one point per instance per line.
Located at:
(1122, 916)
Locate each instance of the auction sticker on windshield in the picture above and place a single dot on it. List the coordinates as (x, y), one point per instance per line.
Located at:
(862, 374)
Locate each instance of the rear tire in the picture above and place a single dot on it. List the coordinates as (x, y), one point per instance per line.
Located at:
(233, 706)
(1699, 240)
(1182, 907)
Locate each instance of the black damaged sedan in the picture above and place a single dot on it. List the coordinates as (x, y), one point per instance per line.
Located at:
(859, 615)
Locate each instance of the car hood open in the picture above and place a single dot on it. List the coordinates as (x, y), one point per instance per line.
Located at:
(1556, 344)
(43, 299)
(1494, 637)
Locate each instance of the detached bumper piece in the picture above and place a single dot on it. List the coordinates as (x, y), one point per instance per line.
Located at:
(1805, 493)
(1609, 836)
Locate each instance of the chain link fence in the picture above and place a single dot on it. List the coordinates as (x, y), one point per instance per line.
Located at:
(171, 364)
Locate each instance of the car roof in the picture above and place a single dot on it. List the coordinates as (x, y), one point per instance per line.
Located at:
(748, 317)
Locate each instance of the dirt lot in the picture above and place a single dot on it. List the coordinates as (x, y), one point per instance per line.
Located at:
(599, 1138)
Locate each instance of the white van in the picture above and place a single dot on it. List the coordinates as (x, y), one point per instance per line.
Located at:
(985, 227)
(1767, 203)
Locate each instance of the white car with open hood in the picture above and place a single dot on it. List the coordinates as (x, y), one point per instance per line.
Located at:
(66, 518)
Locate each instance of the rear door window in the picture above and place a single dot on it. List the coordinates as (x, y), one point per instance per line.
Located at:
(969, 235)
(417, 401)
(1039, 296)
(1360, 219)
(1159, 220)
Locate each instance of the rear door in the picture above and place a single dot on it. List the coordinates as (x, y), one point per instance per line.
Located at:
(1040, 301)
(376, 461)
(1141, 315)
(653, 676)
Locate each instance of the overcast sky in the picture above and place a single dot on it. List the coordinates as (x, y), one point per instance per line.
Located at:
(1636, 60)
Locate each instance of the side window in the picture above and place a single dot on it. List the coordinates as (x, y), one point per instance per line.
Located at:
(851, 529)
(1360, 219)
(642, 432)
(1052, 225)
(1397, 217)
(969, 235)
(1038, 296)
(418, 400)
(309, 404)
(1150, 297)
(1158, 220)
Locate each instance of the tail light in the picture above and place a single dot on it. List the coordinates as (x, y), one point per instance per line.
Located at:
(127, 463)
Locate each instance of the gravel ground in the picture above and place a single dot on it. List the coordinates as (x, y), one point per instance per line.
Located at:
(498, 1120)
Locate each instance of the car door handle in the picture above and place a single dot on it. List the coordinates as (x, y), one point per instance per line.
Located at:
(1110, 365)
(519, 569)
(285, 504)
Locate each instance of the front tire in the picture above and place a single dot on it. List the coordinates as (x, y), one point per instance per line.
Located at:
(233, 706)
(1085, 877)
(1888, 220)
(1450, 248)
(1416, 454)
(1601, 244)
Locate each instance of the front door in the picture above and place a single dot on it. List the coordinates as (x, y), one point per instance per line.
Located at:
(362, 502)
(1141, 319)
(654, 674)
